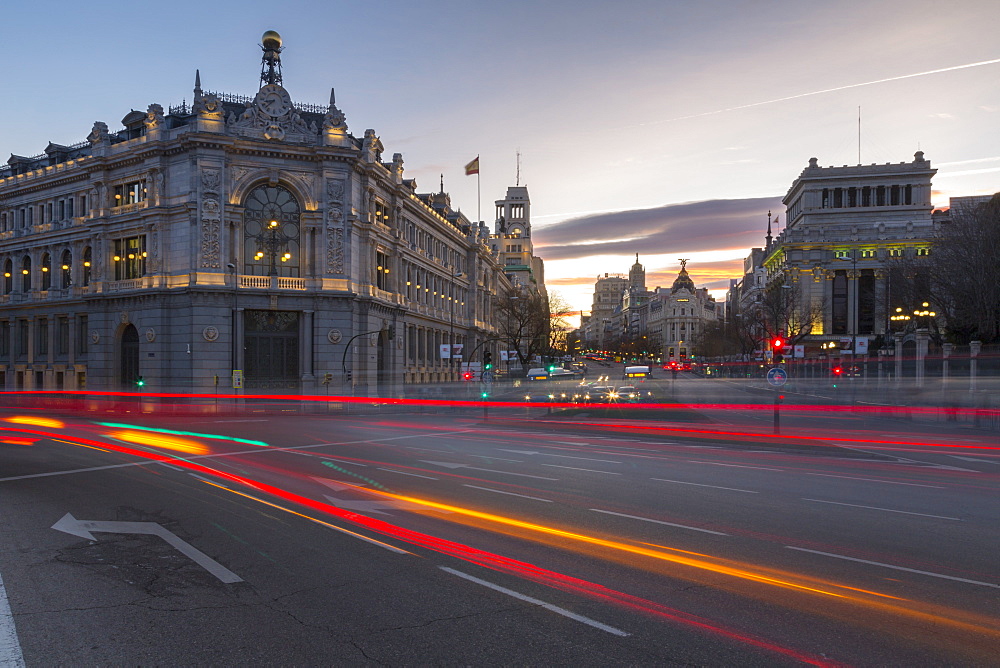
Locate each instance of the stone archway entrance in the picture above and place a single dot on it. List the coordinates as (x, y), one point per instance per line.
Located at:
(129, 357)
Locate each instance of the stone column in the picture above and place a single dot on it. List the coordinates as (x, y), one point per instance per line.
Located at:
(308, 372)
(923, 339)
(974, 348)
(898, 349)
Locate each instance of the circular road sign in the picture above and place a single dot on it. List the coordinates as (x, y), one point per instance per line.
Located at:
(777, 376)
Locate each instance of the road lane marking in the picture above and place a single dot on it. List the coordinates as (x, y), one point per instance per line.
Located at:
(575, 468)
(10, 648)
(888, 510)
(739, 466)
(343, 461)
(534, 601)
(697, 484)
(83, 528)
(500, 491)
(586, 459)
(415, 475)
(887, 482)
(452, 465)
(898, 568)
(669, 524)
(498, 459)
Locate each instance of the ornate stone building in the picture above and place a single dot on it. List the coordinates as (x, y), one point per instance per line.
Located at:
(252, 234)
(844, 227)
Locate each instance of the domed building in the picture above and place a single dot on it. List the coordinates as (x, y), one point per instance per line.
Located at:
(678, 316)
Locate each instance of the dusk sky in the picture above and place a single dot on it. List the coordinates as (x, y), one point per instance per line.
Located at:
(663, 128)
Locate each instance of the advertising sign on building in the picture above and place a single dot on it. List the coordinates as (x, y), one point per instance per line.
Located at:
(503, 356)
(456, 350)
(445, 351)
(799, 350)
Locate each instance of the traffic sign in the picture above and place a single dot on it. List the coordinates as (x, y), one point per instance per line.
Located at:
(777, 376)
(237, 379)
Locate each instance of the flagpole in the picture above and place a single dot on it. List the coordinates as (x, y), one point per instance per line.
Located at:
(479, 199)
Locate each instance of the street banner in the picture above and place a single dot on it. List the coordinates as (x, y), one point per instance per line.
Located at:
(445, 351)
(799, 350)
(457, 350)
(861, 346)
(503, 356)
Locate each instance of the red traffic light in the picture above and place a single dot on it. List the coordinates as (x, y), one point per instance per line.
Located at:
(778, 343)
(837, 370)
(467, 375)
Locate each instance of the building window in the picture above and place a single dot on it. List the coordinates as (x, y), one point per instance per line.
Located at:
(26, 274)
(130, 193)
(82, 337)
(62, 336)
(65, 269)
(8, 277)
(381, 213)
(22, 338)
(869, 253)
(517, 211)
(923, 252)
(41, 337)
(46, 271)
(842, 253)
(895, 252)
(381, 270)
(271, 232)
(130, 258)
(86, 265)
(5, 340)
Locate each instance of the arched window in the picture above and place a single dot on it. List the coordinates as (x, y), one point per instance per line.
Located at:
(46, 271)
(26, 274)
(271, 232)
(86, 265)
(8, 277)
(66, 267)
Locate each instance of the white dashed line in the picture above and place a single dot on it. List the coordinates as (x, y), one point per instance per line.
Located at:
(888, 510)
(415, 475)
(500, 491)
(897, 568)
(574, 468)
(697, 484)
(669, 524)
(534, 601)
(738, 466)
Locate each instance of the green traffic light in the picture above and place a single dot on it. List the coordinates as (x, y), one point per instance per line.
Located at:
(486, 395)
(489, 366)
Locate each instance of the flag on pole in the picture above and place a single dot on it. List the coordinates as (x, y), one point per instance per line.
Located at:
(472, 167)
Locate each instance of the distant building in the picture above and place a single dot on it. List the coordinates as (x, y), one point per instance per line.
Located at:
(511, 241)
(679, 315)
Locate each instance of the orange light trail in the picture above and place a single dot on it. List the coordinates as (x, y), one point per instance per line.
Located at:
(184, 445)
(36, 421)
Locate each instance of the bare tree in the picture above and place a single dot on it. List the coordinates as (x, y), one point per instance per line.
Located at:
(964, 272)
(523, 319)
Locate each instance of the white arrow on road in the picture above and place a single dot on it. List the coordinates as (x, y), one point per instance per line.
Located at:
(452, 465)
(83, 528)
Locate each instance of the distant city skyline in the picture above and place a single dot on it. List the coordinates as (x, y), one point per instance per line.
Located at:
(663, 128)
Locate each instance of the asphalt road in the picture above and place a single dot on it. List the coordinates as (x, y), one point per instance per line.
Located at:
(414, 538)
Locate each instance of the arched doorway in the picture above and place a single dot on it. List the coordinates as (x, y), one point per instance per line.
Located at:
(129, 356)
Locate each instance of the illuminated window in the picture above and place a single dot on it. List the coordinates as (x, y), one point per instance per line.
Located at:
(868, 253)
(86, 265)
(923, 252)
(381, 270)
(130, 193)
(842, 253)
(130, 258)
(46, 271)
(895, 252)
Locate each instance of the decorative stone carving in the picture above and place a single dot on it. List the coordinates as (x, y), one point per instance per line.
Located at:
(154, 117)
(334, 226)
(123, 316)
(99, 133)
(334, 336)
(210, 333)
(371, 148)
(272, 116)
(150, 334)
(211, 233)
(95, 336)
(207, 106)
(210, 180)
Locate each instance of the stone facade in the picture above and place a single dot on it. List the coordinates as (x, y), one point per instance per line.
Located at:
(237, 233)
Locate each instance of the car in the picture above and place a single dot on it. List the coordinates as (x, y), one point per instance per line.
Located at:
(538, 373)
(629, 393)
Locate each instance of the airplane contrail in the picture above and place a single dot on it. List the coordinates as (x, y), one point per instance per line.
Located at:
(826, 90)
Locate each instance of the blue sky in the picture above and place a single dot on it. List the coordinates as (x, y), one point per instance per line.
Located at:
(620, 110)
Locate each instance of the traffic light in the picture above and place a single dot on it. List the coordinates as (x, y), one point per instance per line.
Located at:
(467, 375)
(838, 370)
(487, 360)
(139, 382)
(327, 377)
(778, 346)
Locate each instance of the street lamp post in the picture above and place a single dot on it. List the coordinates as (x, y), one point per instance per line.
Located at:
(853, 259)
(272, 240)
